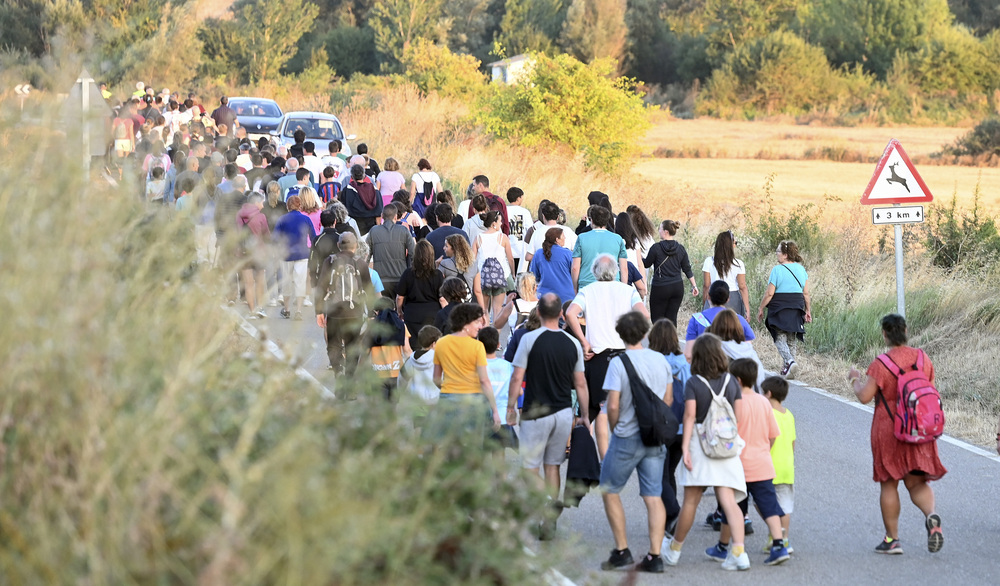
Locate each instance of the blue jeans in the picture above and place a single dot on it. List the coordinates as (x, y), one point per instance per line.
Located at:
(626, 454)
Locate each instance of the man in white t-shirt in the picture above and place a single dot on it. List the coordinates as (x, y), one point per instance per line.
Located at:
(601, 304)
(549, 216)
(312, 162)
(519, 219)
(335, 160)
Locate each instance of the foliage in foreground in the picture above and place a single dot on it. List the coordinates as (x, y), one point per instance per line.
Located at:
(143, 440)
(562, 100)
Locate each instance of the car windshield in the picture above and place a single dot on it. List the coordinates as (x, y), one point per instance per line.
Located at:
(263, 109)
(315, 128)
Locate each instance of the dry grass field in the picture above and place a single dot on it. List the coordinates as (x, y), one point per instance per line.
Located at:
(731, 170)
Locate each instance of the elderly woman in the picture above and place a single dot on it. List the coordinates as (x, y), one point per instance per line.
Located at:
(895, 460)
(788, 305)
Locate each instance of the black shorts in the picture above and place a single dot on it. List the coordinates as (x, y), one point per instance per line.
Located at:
(506, 437)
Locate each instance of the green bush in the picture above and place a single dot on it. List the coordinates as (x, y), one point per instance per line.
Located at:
(434, 68)
(564, 101)
(767, 226)
(984, 139)
(144, 439)
(776, 74)
(962, 237)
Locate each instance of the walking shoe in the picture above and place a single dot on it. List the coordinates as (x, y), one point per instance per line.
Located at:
(618, 560)
(651, 563)
(770, 540)
(307, 302)
(717, 553)
(273, 302)
(733, 563)
(670, 557)
(935, 539)
(261, 313)
(714, 520)
(285, 313)
(779, 554)
(298, 316)
(747, 526)
(790, 369)
(889, 546)
(253, 316)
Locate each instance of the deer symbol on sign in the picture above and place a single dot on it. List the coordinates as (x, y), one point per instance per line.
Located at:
(896, 178)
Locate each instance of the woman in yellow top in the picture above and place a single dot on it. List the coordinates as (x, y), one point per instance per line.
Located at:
(460, 372)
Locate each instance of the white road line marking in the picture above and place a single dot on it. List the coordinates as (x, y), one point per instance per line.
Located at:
(278, 353)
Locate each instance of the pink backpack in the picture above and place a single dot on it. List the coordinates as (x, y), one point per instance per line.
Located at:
(919, 417)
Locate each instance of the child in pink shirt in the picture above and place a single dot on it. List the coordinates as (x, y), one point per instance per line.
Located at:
(758, 428)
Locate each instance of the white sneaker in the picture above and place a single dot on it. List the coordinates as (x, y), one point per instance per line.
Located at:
(670, 556)
(307, 302)
(273, 302)
(741, 562)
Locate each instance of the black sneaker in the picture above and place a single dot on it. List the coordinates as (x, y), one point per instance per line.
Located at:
(651, 563)
(618, 560)
(889, 546)
(714, 521)
(747, 527)
(285, 313)
(935, 539)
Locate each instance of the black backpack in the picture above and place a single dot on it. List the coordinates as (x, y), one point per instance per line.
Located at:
(657, 424)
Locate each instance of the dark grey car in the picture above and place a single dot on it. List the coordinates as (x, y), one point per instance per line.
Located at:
(258, 115)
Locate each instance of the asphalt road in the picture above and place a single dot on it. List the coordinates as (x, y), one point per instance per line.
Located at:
(836, 523)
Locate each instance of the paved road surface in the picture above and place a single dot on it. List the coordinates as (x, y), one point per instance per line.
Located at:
(836, 523)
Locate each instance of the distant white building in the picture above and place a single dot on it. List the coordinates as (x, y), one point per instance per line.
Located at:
(511, 69)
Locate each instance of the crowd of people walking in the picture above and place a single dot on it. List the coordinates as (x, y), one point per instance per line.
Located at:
(517, 331)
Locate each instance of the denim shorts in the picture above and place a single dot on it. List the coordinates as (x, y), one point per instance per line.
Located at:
(626, 454)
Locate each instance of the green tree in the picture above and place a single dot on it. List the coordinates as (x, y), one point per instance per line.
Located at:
(780, 73)
(474, 24)
(564, 101)
(169, 54)
(531, 25)
(871, 32)
(981, 16)
(398, 23)
(595, 29)
(728, 24)
(267, 35)
(433, 68)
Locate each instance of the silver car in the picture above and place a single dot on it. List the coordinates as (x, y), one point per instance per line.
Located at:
(320, 129)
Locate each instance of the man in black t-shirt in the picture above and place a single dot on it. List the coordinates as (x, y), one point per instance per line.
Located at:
(550, 362)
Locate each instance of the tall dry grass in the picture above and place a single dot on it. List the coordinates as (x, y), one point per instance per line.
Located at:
(144, 440)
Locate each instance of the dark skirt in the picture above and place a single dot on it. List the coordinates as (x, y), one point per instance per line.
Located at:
(786, 312)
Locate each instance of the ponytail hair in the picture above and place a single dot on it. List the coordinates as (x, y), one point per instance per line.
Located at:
(551, 235)
(790, 250)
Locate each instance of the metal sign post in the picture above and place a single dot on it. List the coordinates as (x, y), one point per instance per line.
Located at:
(900, 289)
(896, 182)
(86, 80)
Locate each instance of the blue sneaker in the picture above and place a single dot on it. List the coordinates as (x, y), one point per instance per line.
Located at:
(716, 553)
(779, 554)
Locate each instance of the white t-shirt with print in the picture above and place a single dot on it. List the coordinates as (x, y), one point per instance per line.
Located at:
(519, 220)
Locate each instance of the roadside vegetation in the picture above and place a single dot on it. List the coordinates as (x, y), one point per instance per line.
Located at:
(145, 439)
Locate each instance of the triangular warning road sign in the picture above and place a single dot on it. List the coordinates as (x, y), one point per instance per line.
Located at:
(895, 179)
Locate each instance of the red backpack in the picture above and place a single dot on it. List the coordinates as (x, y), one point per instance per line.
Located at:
(919, 417)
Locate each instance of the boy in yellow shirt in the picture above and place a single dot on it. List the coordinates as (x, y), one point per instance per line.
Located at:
(775, 389)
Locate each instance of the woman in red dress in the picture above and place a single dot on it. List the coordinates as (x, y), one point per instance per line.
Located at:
(895, 460)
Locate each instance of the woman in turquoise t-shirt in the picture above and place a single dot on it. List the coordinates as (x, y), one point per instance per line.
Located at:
(788, 305)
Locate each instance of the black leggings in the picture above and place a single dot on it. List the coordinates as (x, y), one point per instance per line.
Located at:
(665, 301)
(669, 488)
